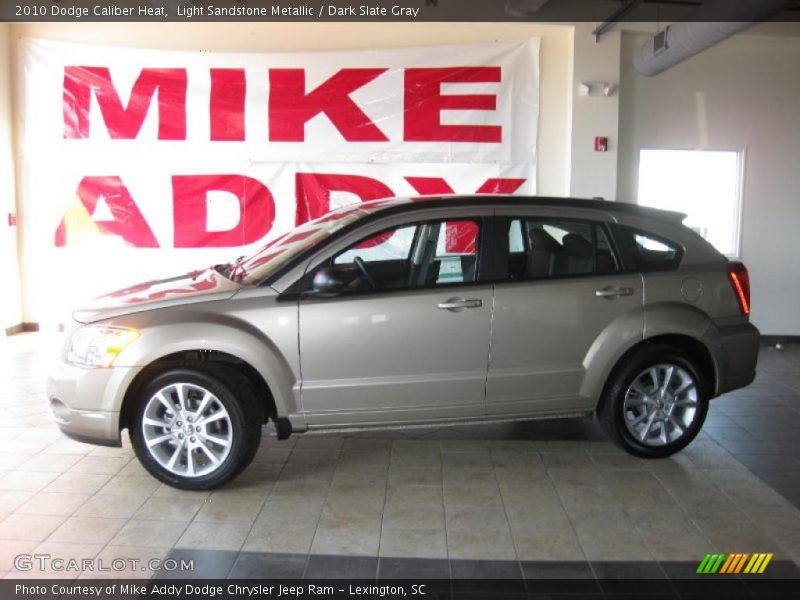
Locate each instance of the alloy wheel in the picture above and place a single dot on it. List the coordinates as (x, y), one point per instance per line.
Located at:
(187, 430)
(661, 404)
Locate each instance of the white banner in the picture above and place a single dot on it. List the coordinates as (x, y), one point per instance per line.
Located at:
(144, 163)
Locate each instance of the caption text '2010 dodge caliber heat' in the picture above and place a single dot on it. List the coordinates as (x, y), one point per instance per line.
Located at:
(406, 311)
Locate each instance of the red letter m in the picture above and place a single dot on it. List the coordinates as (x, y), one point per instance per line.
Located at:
(124, 122)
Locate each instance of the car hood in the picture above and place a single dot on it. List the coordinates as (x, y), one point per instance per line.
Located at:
(197, 286)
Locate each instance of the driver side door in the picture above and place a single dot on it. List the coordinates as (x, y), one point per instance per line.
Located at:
(407, 337)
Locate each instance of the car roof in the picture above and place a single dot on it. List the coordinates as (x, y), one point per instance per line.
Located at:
(414, 202)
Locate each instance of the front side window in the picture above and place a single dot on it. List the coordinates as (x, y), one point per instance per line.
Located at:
(419, 255)
(541, 248)
(392, 245)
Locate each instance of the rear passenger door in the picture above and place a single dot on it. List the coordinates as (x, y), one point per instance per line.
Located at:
(560, 292)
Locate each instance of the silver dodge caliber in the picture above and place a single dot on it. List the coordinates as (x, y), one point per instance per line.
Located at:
(411, 311)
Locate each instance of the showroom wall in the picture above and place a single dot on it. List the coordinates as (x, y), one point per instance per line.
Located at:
(743, 94)
(657, 112)
(594, 174)
(10, 299)
(556, 62)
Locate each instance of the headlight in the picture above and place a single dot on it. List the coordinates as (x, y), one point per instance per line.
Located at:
(98, 346)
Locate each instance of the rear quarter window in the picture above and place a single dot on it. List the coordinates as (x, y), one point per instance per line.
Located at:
(651, 252)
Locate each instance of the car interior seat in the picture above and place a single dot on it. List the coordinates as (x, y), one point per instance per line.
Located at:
(577, 256)
(543, 254)
(468, 264)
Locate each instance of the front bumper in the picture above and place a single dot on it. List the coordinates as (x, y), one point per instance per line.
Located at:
(86, 403)
(92, 428)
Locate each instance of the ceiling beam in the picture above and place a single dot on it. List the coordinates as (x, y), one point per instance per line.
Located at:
(612, 20)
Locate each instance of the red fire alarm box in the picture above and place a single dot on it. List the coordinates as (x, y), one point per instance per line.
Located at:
(601, 144)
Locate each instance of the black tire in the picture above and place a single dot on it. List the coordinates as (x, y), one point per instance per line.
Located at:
(611, 410)
(236, 395)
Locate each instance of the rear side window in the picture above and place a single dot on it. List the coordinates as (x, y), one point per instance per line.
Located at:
(540, 248)
(652, 252)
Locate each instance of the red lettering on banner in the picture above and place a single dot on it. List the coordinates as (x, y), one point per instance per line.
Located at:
(226, 104)
(124, 122)
(424, 104)
(256, 207)
(313, 192)
(203, 285)
(128, 222)
(437, 185)
(190, 207)
(290, 107)
(461, 237)
(500, 185)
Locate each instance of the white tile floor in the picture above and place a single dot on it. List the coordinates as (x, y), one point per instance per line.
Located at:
(411, 493)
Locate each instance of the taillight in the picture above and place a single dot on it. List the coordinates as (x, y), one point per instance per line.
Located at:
(740, 282)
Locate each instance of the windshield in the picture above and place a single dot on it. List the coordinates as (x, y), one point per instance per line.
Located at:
(252, 269)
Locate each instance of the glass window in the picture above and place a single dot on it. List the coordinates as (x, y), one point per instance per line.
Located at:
(390, 245)
(516, 243)
(282, 250)
(411, 256)
(652, 253)
(540, 248)
(703, 184)
(456, 256)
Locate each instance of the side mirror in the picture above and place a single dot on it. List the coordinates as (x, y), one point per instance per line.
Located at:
(326, 283)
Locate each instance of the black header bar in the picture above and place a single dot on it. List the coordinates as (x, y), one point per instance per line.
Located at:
(408, 589)
(543, 11)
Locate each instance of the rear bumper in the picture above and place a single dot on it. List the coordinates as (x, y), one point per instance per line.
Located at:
(737, 355)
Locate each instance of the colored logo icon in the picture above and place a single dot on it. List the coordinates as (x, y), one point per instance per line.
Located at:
(740, 562)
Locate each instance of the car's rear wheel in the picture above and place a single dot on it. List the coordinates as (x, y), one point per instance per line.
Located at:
(655, 403)
(196, 429)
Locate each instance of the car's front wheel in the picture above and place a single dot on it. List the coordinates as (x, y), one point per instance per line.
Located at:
(196, 429)
(655, 403)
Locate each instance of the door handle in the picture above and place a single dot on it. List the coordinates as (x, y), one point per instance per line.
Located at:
(459, 304)
(613, 292)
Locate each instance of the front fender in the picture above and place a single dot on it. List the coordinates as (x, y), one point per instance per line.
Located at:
(271, 351)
